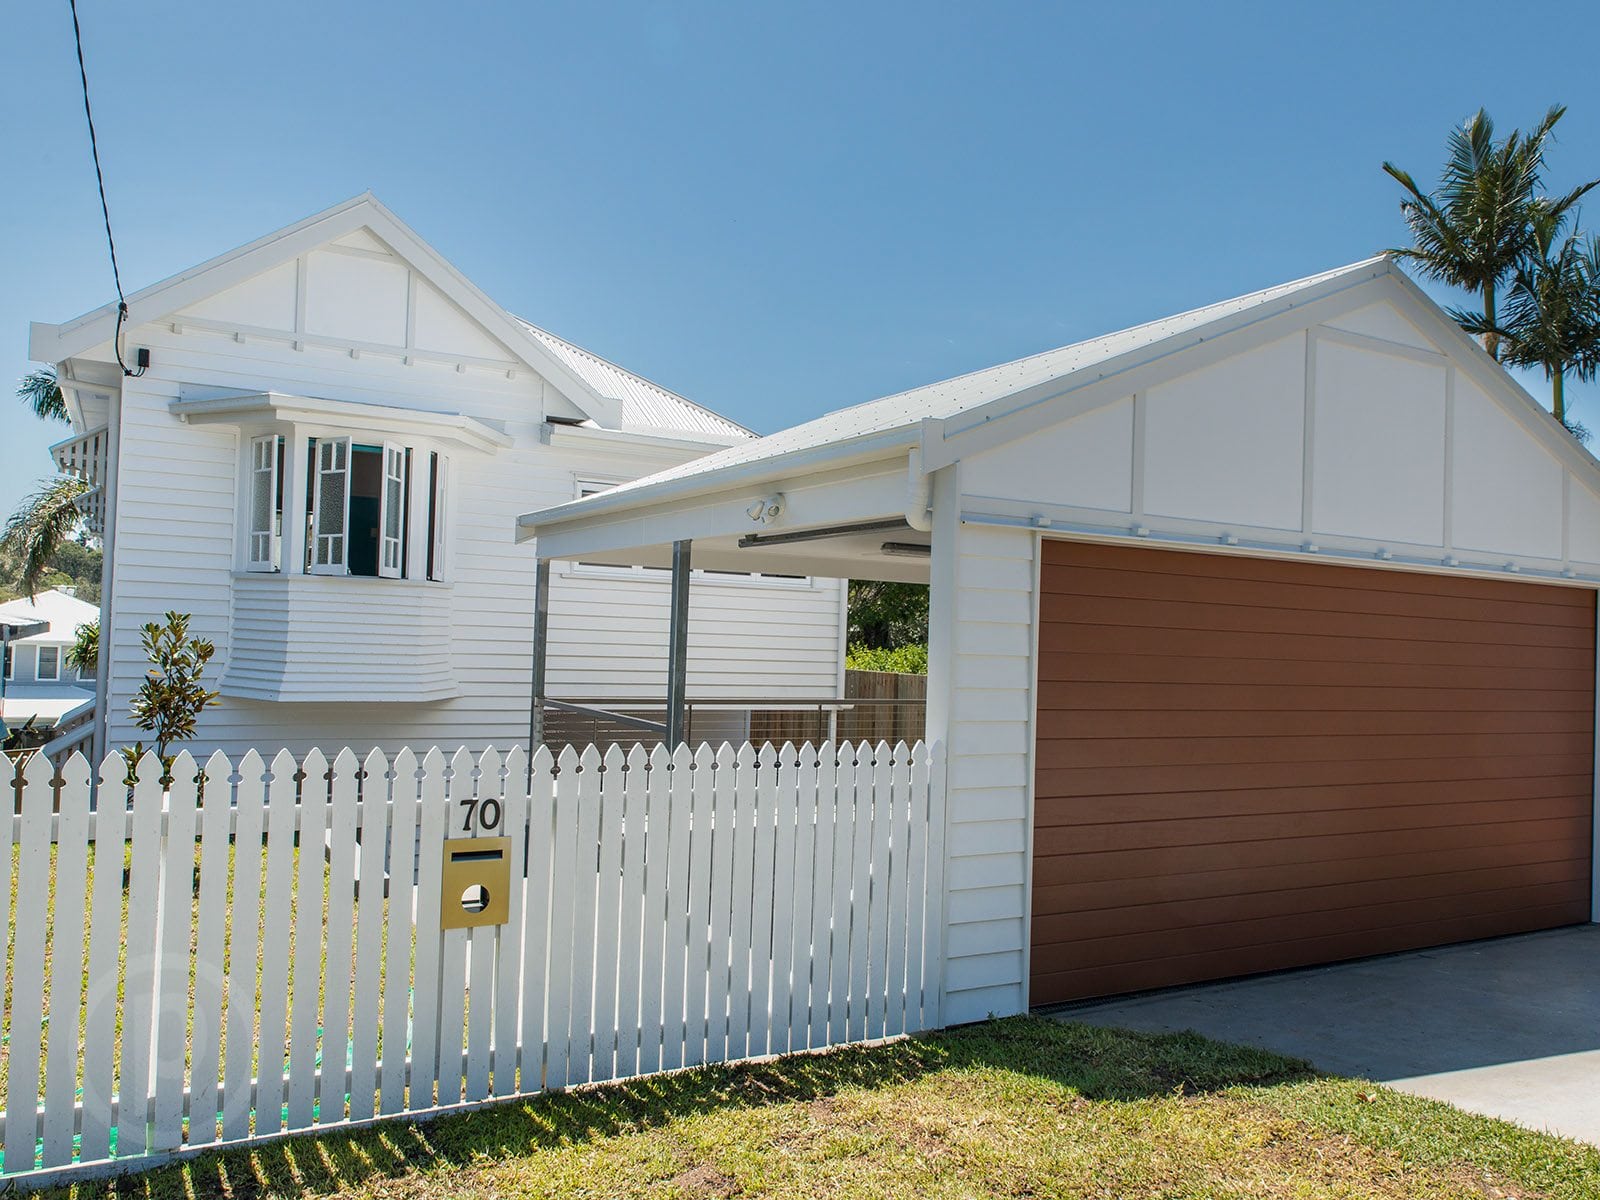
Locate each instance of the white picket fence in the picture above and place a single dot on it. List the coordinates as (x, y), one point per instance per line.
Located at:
(229, 985)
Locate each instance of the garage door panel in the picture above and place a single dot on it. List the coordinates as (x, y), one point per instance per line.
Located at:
(1181, 588)
(1090, 725)
(1106, 557)
(1244, 765)
(1072, 899)
(1171, 806)
(1068, 753)
(1110, 781)
(1133, 864)
(1288, 826)
(1293, 647)
(1222, 936)
(1092, 666)
(1056, 987)
(1095, 610)
(1211, 909)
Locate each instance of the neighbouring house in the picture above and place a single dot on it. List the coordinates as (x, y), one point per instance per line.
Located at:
(1261, 636)
(322, 462)
(39, 684)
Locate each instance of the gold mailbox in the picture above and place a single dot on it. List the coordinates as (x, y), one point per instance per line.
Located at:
(475, 887)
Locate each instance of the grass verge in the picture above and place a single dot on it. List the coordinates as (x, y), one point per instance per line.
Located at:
(1024, 1107)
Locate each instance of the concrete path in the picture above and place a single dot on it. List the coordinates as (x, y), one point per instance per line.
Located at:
(1509, 1028)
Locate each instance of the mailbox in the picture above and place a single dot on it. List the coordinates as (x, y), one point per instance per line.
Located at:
(475, 887)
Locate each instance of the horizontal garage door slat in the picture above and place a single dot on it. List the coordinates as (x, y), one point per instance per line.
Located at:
(1245, 765)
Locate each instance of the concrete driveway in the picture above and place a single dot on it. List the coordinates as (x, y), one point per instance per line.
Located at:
(1509, 1028)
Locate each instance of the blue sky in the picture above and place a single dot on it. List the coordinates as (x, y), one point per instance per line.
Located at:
(774, 209)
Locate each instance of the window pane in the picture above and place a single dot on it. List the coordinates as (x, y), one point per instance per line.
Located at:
(49, 662)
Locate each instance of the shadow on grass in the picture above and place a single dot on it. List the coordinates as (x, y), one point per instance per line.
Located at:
(1100, 1064)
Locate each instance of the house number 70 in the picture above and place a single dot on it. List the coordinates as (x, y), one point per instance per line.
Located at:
(484, 814)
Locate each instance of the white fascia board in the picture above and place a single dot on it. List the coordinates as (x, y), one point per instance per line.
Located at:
(1042, 405)
(811, 501)
(776, 471)
(274, 406)
(53, 343)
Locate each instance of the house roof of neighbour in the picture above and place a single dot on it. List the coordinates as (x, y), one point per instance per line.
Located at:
(62, 612)
(646, 407)
(897, 420)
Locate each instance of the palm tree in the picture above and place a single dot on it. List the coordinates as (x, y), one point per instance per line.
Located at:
(1474, 229)
(1551, 317)
(40, 391)
(42, 524)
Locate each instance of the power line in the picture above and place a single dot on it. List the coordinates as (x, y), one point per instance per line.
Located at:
(105, 211)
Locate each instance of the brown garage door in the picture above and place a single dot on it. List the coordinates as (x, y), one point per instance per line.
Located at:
(1245, 765)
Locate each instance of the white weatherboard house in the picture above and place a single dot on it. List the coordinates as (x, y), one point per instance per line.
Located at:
(39, 683)
(321, 464)
(1263, 635)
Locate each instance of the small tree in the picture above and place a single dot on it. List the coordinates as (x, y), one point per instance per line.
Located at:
(169, 701)
(84, 653)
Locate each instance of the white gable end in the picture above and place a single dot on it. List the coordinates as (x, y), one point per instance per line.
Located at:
(266, 301)
(1358, 436)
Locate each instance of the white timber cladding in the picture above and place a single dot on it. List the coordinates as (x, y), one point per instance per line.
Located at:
(1328, 440)
(441, 655)
(980, 700)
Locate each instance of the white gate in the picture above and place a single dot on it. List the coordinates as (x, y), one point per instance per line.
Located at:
(259, 951)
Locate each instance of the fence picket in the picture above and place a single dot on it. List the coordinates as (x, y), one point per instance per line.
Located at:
(697, 973)
(743, 916)
(508, 939)
(666, 910)
(630, 935)
(432, 820)
(245, 942)
(273, 1039)
(336, 983)
(680, 794)
(169, 1023)
(783, 855)
(607, 943)
(801, 947)
(209, 951)
(916, 861)
(564, 868)
(839, 899)
(721, 900)
(393, 1076)
(28, 964)
(536, 924)
(453, 957)
(481, 951)
(139, 973)
(306, 980)
(66, 961)
(365, 1008)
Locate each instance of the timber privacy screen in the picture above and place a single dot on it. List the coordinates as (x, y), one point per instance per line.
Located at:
(265, 954)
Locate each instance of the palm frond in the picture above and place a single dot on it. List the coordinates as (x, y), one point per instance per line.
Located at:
(43, 523)
(41, 392)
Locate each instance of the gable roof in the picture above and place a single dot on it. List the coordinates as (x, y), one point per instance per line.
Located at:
(602, 404)
(646, 407)
(63, 613)
(982, 407)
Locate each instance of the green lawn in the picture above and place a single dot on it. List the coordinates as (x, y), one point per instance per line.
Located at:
(1024, 1107)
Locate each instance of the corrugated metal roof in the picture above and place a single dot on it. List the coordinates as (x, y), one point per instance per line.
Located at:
(63, 613)
(646, 407)
(951, 397)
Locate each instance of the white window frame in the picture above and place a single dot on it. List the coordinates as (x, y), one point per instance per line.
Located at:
(38, 665)
(439, 481)
(391, 508)
(264, 547)
(330, 551)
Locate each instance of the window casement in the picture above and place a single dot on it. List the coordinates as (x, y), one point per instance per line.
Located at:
(264, 546)
(355, 511)
(48, 669)
(11, 662)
